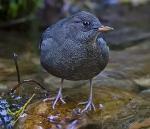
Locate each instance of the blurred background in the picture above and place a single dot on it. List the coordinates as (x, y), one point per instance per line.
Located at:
(23, 21)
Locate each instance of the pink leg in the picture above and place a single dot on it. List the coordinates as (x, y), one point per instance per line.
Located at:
(59, 95)
(89, 103)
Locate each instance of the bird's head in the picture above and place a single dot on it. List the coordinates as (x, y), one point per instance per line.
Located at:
(84, 26)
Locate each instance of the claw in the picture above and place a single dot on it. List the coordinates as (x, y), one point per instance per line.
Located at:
(90, 105)
(82, 103)
(58, 97)
(61, 99)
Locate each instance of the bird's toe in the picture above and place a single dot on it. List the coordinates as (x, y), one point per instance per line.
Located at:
(58, 98)
(89, 106)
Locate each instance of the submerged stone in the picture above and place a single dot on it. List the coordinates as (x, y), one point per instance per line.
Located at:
(117, 104)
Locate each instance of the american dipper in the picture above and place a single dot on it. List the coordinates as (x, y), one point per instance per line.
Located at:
(73, 49)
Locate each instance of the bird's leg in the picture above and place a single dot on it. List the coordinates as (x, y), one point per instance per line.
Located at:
(59, 95)
(89, 103)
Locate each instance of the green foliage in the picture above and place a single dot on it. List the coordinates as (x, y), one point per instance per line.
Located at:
(19, 112)
(12, 9)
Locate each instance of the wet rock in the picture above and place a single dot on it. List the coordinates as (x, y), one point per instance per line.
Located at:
(122, 84)
(127, 37)
(140, 124)
(120, 108)
(37, 127)
(131, 63)
(3, 87)
(38, 118)
(145, 94)
(144, 82)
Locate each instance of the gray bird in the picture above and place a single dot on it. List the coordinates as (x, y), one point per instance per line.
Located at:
(73, 49)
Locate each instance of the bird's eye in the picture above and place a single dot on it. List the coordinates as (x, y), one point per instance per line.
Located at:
(85, 23)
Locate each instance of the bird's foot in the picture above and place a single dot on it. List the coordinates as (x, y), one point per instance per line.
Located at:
(89, 106)
(58, 98)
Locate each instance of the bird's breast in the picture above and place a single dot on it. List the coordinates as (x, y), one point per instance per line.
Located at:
(76, 61)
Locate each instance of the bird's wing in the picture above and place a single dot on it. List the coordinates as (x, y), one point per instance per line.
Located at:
(103, 48)
(54, 33)
(102, 43)
(46, 36)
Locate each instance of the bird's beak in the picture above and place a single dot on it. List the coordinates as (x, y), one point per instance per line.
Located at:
(105, 28)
